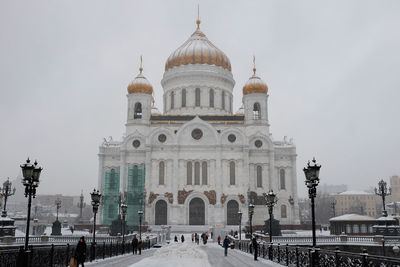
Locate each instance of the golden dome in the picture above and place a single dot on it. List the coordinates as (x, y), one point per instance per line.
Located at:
(255, 85)
(140, 85)
(198, 50)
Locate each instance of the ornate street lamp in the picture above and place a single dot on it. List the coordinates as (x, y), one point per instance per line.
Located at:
(96, 197)
(240, 224)
(251, 213)
(383, 191)
(31, 174)
(140, 212)
(312, 181)
(124, 208)
(81, 205)
(6, 191)
(58, 206)
(271, 200)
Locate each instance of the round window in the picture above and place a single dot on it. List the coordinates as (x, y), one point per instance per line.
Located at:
(136, 143)
(162, 138)
(231, 138)
(258, 143)
(197, 134)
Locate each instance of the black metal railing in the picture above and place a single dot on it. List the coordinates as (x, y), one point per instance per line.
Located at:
(60, 255)
(315, 257)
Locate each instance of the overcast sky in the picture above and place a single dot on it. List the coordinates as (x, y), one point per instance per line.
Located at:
(332, 67)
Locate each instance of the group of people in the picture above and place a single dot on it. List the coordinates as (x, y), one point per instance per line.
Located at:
(137, 245)
(182, 239)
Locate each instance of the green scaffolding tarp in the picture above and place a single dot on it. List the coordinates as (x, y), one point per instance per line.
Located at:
(111, 193)
(135, 194)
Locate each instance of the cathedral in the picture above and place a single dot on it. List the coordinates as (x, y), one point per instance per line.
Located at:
(197, 162)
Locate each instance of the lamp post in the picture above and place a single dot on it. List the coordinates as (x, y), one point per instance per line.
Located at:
(271, 200)
(312, 181)
(240, 224)
(81, 205)
(58, 206)
(251, 213)
(333, 206)
(140, 213)
(96, 196)
(124, 208)
(6, 191)
(383, 191)
(31, 174)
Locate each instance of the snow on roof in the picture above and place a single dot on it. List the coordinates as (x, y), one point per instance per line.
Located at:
(352, 217)
(355, 193)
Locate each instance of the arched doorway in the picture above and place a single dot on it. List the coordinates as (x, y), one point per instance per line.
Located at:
(161, 213)
(196, 212)
(232, 217)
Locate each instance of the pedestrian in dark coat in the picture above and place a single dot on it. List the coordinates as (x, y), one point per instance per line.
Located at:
(175, 239)
(134, 245)
(196, 238)
(219, 240)
(255, 247)
(140, 244)
(226, 245)
(80, 251)
(182, 239)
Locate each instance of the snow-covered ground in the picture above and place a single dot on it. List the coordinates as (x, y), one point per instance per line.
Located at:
(176, 255)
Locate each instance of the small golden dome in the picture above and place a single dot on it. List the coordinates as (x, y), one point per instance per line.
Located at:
(198, 50)
(255, 85)
(140, 85)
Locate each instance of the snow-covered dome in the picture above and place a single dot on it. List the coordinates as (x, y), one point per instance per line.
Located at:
(255, 85)
(198, 50)
(140, 85)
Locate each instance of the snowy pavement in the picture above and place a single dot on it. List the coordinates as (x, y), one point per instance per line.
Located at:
(122, 260)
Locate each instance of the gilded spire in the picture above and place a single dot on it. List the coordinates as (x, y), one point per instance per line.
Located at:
(198, 17)
(254, 64)
(141, 64)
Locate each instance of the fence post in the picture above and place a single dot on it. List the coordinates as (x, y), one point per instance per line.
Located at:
(310, 257)
(263, 250)
(104, 250)
(279, 253)
(270, 256)
(297, 256)
(67, 258)
(51, 255)
(337, 263)
(110, 249)
(287, 254)
(117, 248)
(364, 255)
(315, 257)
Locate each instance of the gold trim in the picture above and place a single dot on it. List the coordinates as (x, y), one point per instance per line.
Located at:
(140, 88)
(255, 89)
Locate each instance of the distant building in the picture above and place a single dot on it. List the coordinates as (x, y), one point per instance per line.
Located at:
(395, 185)
(358, 202)
(328, 189)
(352, 224)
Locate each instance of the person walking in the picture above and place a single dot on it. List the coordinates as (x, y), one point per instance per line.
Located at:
(140, 244)
(219, 240)
(226, 245)
(134, 245)
(255, 247)
(196, 238)
(192, 237)
(80, 251)
(182, 238)
(175, 239)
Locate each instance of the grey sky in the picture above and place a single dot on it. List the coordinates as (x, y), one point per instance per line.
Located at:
(332, 69)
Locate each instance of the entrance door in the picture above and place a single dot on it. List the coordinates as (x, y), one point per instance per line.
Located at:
(232, 213)
(196, 212)
(161, 213)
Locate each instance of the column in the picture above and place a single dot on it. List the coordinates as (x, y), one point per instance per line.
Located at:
(122, 171)
(175, 181)
(218, 175)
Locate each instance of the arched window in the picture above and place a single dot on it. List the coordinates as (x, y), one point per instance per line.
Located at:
(204, 173)
(211, 98)
(183, 97)
(189, 173)
(283, 211)
(137, 111)
(223, 100)
(172, 100)
(256, 111)
(232, 175)
(197, 97)
(161, 172)
(197, 173)
(282, 179)
(259, 176)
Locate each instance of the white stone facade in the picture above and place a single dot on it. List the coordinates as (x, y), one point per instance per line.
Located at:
(189, 141)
